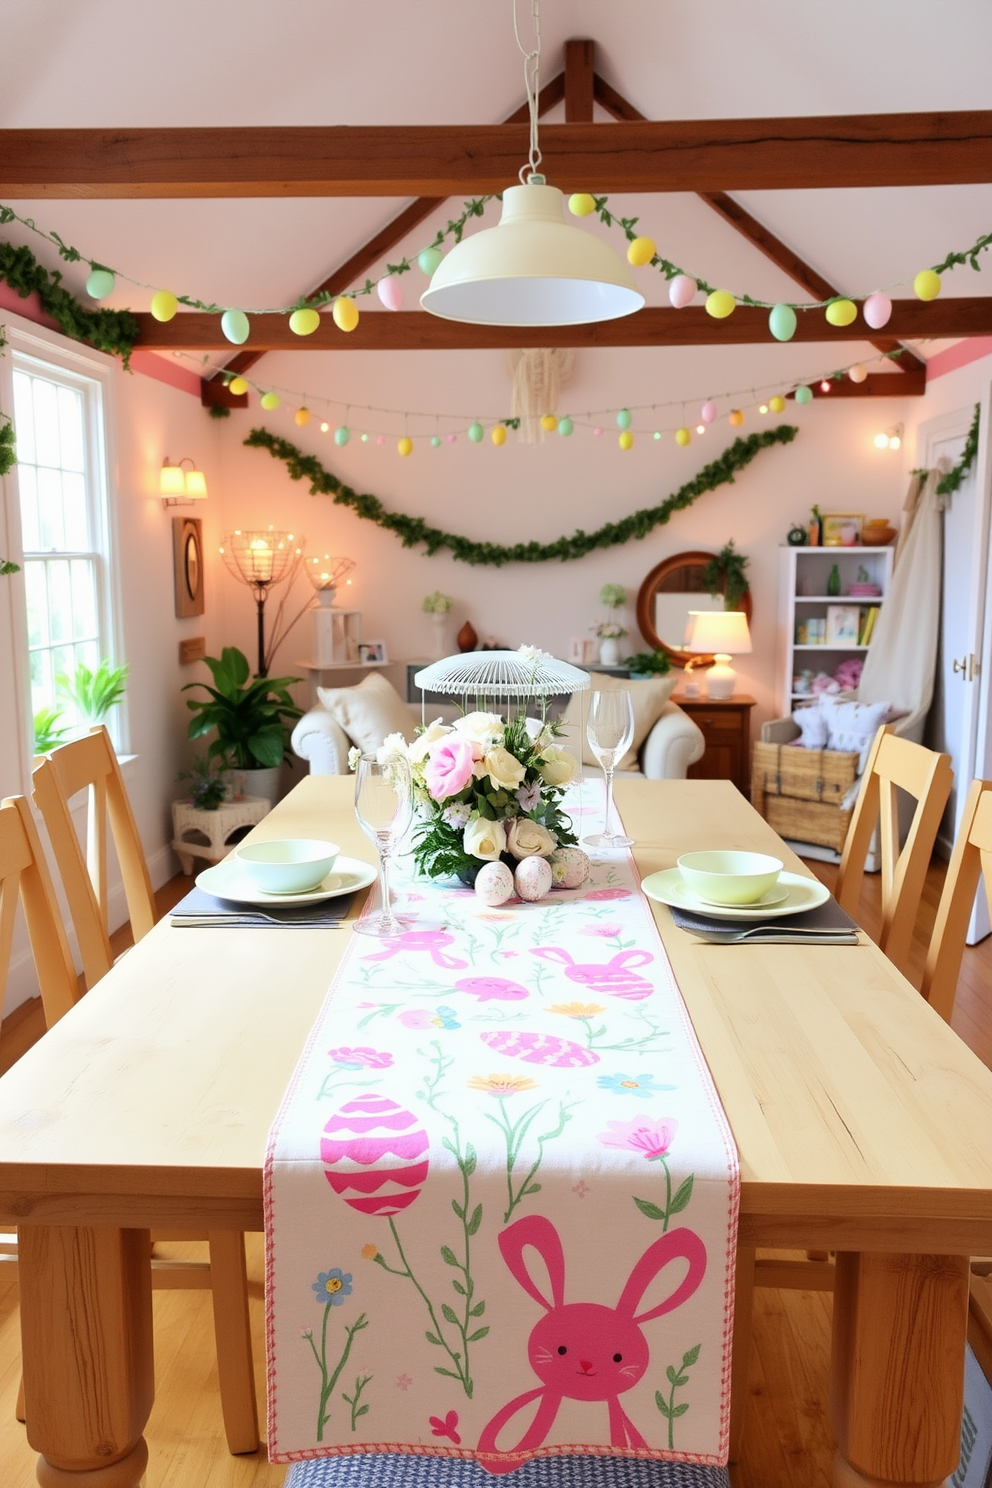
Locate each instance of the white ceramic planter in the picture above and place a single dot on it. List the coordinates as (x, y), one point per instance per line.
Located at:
(609, 651)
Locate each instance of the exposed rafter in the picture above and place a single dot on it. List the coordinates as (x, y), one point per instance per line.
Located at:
(409, 330)
(756, 233)
(213, 391)
(849, 150)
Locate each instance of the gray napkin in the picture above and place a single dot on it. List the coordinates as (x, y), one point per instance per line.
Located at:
(200, 909)
(827, 924)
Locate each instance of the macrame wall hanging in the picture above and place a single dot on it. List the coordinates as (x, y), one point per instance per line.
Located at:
(538, 374)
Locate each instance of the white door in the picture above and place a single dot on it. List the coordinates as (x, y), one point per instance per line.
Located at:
(959, 716)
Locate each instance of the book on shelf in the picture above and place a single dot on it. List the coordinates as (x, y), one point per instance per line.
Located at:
(868, 626)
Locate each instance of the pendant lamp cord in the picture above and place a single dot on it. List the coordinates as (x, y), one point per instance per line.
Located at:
(532, 66)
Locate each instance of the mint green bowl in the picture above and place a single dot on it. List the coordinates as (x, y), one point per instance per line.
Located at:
(294, 865)
(729, 877)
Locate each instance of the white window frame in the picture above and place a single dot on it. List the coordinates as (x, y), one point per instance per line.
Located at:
(92, 372)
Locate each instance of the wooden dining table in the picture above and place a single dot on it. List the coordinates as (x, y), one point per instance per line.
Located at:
(864, 1127)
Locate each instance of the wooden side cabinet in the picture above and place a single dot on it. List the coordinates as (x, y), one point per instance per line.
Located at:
(726, 726)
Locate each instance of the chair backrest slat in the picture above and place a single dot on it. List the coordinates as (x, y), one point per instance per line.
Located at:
(924, 774)
(24, 872)
(90, 764)
(971, 856)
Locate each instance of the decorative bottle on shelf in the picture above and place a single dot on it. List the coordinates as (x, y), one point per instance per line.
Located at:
(833, 582)
(467, 637)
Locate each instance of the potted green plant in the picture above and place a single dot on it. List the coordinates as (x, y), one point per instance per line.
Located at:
(207, 789)
(251, 716)
(725, 574)
(649, 664)
(48, 732)
(92, 694)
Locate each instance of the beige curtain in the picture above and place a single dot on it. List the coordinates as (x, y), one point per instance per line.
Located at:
(538, 375)
(901, 663)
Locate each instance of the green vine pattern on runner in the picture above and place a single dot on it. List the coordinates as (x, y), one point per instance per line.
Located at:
(514, 1133)
(954, 477)
(676, 1379)
(414, 530)
(470, 1219)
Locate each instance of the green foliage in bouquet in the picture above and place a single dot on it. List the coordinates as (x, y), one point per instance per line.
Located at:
(440, 849)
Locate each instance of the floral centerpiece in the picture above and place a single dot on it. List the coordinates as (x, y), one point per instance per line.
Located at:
(487, 788)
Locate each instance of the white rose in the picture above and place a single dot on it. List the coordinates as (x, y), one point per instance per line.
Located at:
(484, 729)
(391, 746)
(423, 742)
(528, 839)
(484, 839)
(504, 769)
(557, 766)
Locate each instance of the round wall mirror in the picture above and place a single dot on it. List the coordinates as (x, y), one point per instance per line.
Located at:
(673, 588)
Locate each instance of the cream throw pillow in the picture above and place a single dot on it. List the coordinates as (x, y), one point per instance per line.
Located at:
(648, 698)
(369, 712)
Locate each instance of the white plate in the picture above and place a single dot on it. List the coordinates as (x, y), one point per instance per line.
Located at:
(228, 880)
(803, 893)
(775, 895)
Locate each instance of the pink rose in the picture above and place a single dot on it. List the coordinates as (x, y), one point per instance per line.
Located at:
(449, 766)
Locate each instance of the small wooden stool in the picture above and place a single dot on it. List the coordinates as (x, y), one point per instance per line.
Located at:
(208, 834)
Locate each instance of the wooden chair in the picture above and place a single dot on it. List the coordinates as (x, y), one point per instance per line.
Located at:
(971, 856)
(90, 764)
(927, 777)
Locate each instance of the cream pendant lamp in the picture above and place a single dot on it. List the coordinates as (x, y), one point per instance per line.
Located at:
(534, 269)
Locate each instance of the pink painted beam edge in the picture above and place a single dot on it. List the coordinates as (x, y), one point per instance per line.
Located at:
(959, 355)
(29, 307)
(148, 363)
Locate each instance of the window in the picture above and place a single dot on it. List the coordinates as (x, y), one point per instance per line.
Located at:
(58, 422)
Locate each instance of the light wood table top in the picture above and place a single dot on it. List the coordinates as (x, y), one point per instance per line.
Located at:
(863, 1123)
(860, 1117)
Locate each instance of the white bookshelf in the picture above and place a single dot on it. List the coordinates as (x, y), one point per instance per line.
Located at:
(803, 575)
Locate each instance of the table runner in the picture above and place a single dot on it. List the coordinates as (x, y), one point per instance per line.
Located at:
(501, 1194)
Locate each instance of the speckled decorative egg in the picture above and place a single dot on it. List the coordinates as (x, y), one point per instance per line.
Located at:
(375, 1155)
(569, 867)
(533, 878)
(494, 883)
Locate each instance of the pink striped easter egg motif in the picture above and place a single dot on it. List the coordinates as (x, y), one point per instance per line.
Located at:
(541, 1048)
(613, 978)
(375, 1154)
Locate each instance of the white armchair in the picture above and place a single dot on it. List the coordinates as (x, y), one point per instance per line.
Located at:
(672, 745)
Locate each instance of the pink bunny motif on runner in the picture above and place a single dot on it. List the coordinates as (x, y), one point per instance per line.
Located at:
(612, 978)
(432, 941)
(584, 1350)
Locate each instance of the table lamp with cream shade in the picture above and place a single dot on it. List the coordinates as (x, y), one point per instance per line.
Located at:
(720, 634)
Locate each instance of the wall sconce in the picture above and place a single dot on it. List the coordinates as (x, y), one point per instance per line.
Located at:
(890, 438)
(179, 487)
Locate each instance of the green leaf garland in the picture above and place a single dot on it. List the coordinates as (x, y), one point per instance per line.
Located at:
(954, 477)
(113, 331)
(414, 530)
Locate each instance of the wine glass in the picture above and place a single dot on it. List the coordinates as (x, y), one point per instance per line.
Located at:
(610, 729)
(384, 807)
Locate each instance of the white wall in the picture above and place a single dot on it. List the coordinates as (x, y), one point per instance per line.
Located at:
(522, 492)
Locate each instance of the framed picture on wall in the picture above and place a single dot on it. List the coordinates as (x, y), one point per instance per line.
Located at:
(187, 566)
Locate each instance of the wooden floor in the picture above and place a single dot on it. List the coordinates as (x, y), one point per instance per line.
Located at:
(787, 1443)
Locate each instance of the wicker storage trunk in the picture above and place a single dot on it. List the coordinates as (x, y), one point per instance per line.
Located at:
(799, 791)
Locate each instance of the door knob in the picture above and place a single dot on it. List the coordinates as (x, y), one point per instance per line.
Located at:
(968, 667)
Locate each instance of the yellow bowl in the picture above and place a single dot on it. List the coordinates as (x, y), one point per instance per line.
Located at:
(292, 866)
(729, 877)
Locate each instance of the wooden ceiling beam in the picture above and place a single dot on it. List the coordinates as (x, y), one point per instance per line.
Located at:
(856, 150)
(579, 80)
(415, 330)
